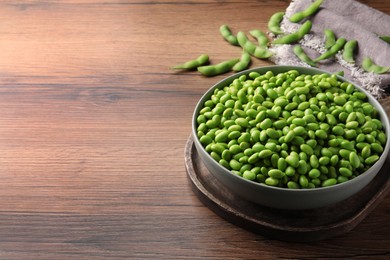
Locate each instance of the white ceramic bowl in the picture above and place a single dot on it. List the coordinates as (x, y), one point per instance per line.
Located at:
(285, 198)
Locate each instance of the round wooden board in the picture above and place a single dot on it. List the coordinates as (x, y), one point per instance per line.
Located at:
(287, 225)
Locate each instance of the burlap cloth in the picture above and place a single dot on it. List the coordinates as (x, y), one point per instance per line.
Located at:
(348, 19)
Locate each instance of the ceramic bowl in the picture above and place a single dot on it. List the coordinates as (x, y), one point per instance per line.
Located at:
(284, 198)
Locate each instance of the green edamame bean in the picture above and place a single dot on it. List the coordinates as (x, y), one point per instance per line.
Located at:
(205, 140)
(265, 153)
(299, 121)
(369, 66)
(271, 181)
(292, 160)
(329, 182)
(300, 53)
(303, 181)
(354, 160)
(296, 36)
(243, 63)
(289, 136)
(333, 50)
(313, 8)
(330, 38)
(307, 149)
(276, 174)
(376, 148)
(257, 51)
(261, 37)
(193, 64)
(249, 175)
(220, 68)
(372, 159)
(292, 185)
(349, 49)
(227, 34)
(314, 173)
(222, 136)
(334, 159)
(302, 167)
(345, 172)
(274, 23)
(381, 138)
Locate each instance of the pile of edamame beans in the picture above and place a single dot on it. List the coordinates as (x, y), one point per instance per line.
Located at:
(291, 130)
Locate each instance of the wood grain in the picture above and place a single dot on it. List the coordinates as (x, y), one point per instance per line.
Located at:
(93, 126)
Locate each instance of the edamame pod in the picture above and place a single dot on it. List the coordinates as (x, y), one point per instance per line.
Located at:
(300, 53)
(349, 49)
(369, 66)
(261, 38)
(254, 50)
(227, 34)
(274, 23)
(330, 38)
(193, 64)
(243, 63)
(299, 16)
(295, 37)
(220, 68)
(333, 50)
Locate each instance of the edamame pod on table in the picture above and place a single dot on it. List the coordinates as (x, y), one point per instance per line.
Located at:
(220, 68)
(385, 38)
(312, 9)
(330, 38)
(261, 38)
(228, 35)
(349, 50)
(257, 51)
(300, 53)
(369, 66)
(243, 63)
(333, 50)
(296, 36)
(274, 23)
(193, 64)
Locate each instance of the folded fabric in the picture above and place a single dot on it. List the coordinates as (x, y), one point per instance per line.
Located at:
(348, 19)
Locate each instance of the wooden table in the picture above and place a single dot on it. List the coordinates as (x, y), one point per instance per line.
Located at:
(93, 126)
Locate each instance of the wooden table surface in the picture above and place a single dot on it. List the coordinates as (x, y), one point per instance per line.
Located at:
(93, 126)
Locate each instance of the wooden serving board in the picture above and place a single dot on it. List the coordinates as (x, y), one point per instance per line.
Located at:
(287, 225)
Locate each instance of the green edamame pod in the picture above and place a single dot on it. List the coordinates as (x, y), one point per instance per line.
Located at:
(369, 66)
(300, 53)
(349, 49)
(385, 38)
(261, 38)
(193, 64)
(243, 63)
(274, 23)
(333, 50)
(254, 50)
(227, 34)
(330, 38)
(299, 16)
(220, 68)
(296, 36)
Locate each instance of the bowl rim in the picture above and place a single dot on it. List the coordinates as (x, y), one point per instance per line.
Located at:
(284, 68)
